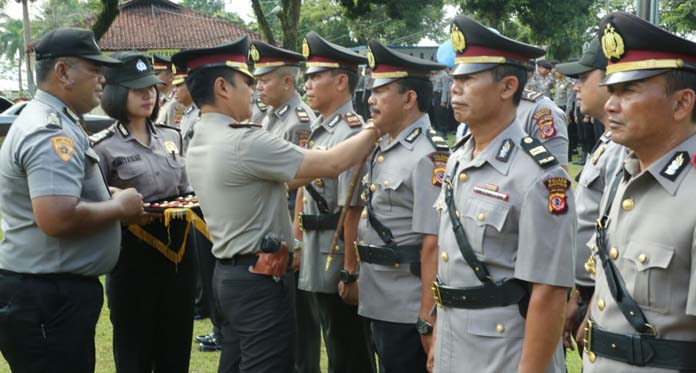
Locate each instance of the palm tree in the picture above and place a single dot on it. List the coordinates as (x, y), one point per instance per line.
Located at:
(12, 42)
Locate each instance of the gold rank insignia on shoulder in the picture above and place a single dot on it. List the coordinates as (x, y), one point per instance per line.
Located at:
(612, 44)
(675, 167)
(458, 40)
(305, 48)
(352, 119)
(598, 153)
(52, 120)
(63, 146)
(302, 114)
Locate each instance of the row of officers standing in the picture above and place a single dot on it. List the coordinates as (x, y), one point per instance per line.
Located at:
(378, 237)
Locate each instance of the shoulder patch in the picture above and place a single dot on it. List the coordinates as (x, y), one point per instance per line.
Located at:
(544, 120)
(439, 167)
(532, 96)
(102, 135)
(302, 114)
(538, 152)
(64, 147)
(505, 151)
(353, 120)
(413, 135)
(438, 142)
(558, 198)
(283, 109)
(675, 166)
(53, 121)
(303, 137)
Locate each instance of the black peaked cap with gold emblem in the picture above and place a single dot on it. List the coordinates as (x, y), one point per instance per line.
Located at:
(636, 49)
(480, 48)
(233, 55)
(389, 65)
(322, 54)
(135, 72)
(267, 58)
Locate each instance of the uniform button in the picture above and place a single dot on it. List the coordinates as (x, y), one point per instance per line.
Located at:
(601, 304)
(613, 253)
(445, 257)
(642, 258)
(500, 328)
(628, 204)
(304, 199)
(380, 159)
(397, 265)
(364, 214)
(458, 214)
(386, 183)
(373, 188)
(463, 177)
(481, 216)
(311, 142)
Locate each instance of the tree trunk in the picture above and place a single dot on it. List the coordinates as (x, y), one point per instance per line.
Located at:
(106, 18)
(19, 68)
(263, 23)
(289, 20)
(27, 46)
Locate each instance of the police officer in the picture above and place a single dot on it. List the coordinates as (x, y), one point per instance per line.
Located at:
(171, 111)
(643, 315)
(61, 226)
(245, 205)
(503, 272)
(258, 110)
(150, 291)
(331, 77)
(288, 117)
(398, 231)
(604, 162)
(544, 78)
(191, 112)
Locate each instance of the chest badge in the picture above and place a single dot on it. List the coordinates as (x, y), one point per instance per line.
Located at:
(170, 147)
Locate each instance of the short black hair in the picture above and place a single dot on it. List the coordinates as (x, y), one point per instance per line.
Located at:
(114, 101)
(504, 70)
(43, 69)
(680, 79)
(352, 78)
(423, 89)
(200, 83)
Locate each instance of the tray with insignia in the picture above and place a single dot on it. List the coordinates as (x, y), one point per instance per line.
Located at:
(176, 202)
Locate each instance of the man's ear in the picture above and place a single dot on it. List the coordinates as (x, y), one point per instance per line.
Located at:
(508, 87)
(684, 100)
(220, 88)
(60, 69)
(410, 99)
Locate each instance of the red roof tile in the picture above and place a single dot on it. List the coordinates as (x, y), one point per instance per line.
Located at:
(161, 24)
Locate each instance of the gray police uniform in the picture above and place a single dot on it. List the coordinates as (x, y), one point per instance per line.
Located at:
(47, 153)
(560, 95)
(258, 111)
(543, 120)
(327, 132)
(650, 239)
(407, 174)
(187, 125)
(171, 113)
(517, 213)
(291, 121)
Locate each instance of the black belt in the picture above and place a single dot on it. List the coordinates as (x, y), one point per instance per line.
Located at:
(240, 260)
(389, 256)
(641, 349)
(319, 222)
(48, 276)
(498, 294)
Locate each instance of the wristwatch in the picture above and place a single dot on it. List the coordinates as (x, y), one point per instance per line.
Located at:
(424, 327)
(347, 277)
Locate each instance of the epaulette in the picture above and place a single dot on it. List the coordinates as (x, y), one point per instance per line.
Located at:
(438, 142)
(166, 126)
(53, 120)
(352, 119)
(302, 114)
(461, 142)
(538, 152)
(532, 96)
(263, 107)
(102, 135)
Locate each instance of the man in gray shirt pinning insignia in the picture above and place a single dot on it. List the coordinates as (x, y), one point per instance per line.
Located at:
(507, 222)
(61, 225)
(331, 78)
(397, 234)
(239, 172)
(643, 312)
(288, 117)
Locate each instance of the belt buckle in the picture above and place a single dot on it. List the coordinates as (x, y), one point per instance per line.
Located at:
(299, 221)
(436, 294)
(588, 341)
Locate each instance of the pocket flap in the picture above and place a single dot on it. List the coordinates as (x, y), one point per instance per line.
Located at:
(391, 181)
(645, 255)
(496, 322)
(130, 170)
(485, 213)
(589, 175)
(91, 154)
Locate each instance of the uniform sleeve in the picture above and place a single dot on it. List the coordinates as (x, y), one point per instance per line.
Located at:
(547, 228)
(268, 157)
(691, 298)
(104, 162)
(549, 125)
(298, 133)
(427, 184)
(54, 162)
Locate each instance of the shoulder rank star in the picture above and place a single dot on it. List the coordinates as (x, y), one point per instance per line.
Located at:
(558, 199)
(352, 119)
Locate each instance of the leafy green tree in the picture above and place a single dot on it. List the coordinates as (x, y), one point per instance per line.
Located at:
(12, 43)
(215, 8)
(678, 16)
(326, 18)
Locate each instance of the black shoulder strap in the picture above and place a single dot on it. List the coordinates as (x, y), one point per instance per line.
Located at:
(461, 142)
(385, 234)
(617, 287)
(438, 142)
(538, 152)
(530, 95)
(318, 199)
(480, 269)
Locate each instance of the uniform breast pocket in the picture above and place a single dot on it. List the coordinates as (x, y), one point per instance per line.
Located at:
(131, 174)
(647, 276)
(395, 191)
(93, 188)
(483, 223)
(176, 165)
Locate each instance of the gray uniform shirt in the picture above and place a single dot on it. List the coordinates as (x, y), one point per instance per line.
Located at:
(407, 173)
(156, 170)
(258, 111)
(544, 120)
(188, 123)
(326, 132)
(291, 121)
(651, 226)
(171, 114)
(596, 176)
(239, 176)
(560, 95)
(47, 153)
(520, 228)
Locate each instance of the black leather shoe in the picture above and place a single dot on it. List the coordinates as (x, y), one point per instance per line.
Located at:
(210, 346)
(205, 338)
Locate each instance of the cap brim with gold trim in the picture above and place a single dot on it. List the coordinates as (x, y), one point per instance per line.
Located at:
(389, 65)
(322, 55)
(267, 58)
(637, 50)
(233, 55)
(479, 48)
(161, 63)
(179, 79)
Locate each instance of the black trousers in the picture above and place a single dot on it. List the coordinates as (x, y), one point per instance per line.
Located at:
(258, 325)
(47, 324)
(205, 265)
(151, 304)
(346, 335)
(308, 336)
(399, 347)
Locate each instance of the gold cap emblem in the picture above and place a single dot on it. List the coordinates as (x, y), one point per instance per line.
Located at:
(612, 43)
(370, 58)
(254, 53)
(458, 40)
(305, 48)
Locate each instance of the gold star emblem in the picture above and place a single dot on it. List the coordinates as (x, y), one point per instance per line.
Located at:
(458, 40)
(612, 43)
(370, 58)
(305, 48)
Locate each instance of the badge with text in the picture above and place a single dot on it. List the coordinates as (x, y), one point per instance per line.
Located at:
(544, 119)
(439, 163)
(63, 147)
(558, 197)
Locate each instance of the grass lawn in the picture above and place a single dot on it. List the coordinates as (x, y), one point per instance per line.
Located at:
(206, 362)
